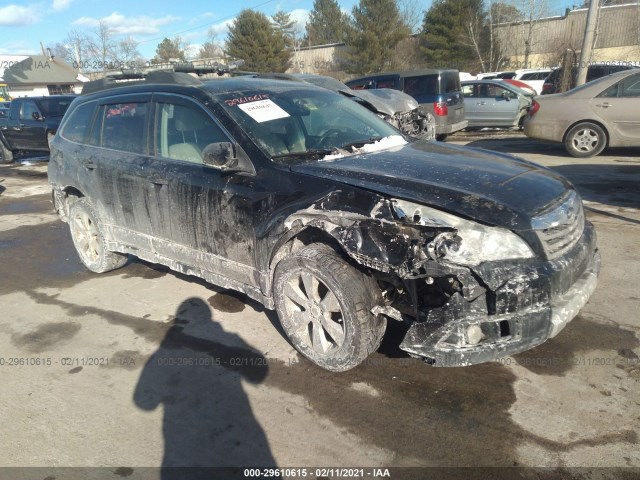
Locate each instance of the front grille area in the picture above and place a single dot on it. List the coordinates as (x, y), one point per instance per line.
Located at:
(560, 228)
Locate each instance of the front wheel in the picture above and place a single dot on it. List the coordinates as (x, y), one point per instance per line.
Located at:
(89, 239)
(585, 139)
(324, 307)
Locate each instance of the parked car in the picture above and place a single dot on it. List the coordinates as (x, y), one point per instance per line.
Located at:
(532, 77)
(521, 85)
(395, 107)
(437, 90)
(553, 83)
(601, 113)
(311, 204)
(494, 103)
(31, 123)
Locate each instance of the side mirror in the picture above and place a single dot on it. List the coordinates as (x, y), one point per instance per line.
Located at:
(222, 156)
(37, 116)
(506, 96)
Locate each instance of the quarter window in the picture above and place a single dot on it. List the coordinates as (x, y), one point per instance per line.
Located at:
(79, 123)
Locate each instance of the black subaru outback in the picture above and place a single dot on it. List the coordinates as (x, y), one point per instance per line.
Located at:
(309, 203)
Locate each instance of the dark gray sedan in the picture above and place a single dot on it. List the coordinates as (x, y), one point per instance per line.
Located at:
(493, 103)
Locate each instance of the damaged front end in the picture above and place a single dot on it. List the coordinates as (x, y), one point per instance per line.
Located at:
(470, 293)
(416, 123)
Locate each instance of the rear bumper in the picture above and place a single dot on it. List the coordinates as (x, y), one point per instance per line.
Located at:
(553, 131)
(451, 128)
(533, 306)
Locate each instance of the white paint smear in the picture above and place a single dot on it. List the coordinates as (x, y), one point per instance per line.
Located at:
(263, 110)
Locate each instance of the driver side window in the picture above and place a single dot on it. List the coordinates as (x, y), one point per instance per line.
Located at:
(182, 131)
(28, 109)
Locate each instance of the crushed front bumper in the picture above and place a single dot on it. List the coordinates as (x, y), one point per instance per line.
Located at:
(535, 304)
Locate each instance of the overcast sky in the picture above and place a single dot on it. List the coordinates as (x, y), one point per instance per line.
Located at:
(26, 23)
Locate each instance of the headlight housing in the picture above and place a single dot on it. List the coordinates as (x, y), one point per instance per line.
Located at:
(471, 244)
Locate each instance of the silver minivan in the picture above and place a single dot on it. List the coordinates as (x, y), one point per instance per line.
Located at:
(437, 90)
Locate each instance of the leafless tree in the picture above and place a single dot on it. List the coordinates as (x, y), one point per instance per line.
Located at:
(411, 14)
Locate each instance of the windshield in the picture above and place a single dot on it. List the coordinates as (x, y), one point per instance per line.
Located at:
(54, 106)
(301, 125)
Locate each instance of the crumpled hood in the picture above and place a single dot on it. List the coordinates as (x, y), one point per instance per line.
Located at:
(385, 100)
(492, 188)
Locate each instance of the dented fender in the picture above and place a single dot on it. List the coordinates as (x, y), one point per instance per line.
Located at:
(372, 237)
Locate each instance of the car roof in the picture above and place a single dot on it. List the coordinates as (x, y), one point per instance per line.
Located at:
(406, 73)
(181, 82)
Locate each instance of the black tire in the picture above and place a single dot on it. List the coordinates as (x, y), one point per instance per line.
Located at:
(441, 137)
(331, 325)
(89, 240)
(585, 139)
(6, 155)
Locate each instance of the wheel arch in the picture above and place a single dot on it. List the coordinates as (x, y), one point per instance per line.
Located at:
(62, 199)
(595, 122)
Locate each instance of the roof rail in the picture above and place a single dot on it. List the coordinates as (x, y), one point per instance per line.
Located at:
(178, 73)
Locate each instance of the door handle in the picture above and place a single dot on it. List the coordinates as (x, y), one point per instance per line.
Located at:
(481, 103)
(604, 105)
(88, 164)
(159, 181)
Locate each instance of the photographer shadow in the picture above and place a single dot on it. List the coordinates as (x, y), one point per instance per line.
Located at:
(208, 421)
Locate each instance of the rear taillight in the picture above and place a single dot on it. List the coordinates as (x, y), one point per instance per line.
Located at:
(535, 106)
(546, 87)
(440, 109)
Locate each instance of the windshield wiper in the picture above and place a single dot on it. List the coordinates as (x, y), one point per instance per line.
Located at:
(359, 143)
(311, 154)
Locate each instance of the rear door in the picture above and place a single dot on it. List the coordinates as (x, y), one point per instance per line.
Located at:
(473, 108)
(119, 166)
(618, 106)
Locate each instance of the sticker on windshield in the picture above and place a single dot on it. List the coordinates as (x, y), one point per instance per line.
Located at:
(263, 110)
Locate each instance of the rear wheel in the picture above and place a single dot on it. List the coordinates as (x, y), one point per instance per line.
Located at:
(324, 307)
(89, 240)
(585, 139)
(6, 155)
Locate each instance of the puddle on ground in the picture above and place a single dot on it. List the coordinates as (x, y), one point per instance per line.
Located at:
(228, 301)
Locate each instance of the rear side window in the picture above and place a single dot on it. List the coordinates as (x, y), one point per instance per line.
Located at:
(79, 123)
(421, 86)
(121, 126)
(535, 76)
(387, 83)
(449, 82)
(361, 85)
(628, 87)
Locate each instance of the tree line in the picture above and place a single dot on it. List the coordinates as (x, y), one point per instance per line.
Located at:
(378, 35)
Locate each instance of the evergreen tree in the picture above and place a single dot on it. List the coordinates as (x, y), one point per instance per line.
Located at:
(376, 30)
(255, 40)
(283, 23)
(455, 34)
(168, 50)
(327, 23)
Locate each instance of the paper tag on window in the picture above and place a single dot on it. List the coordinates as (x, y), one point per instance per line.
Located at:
(263, 110)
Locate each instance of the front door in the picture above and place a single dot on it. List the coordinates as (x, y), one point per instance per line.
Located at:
(207, 215)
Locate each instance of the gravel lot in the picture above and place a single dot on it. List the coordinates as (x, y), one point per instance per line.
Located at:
(142, 367)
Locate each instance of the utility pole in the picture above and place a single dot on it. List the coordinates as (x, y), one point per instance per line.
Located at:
(587, 42)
